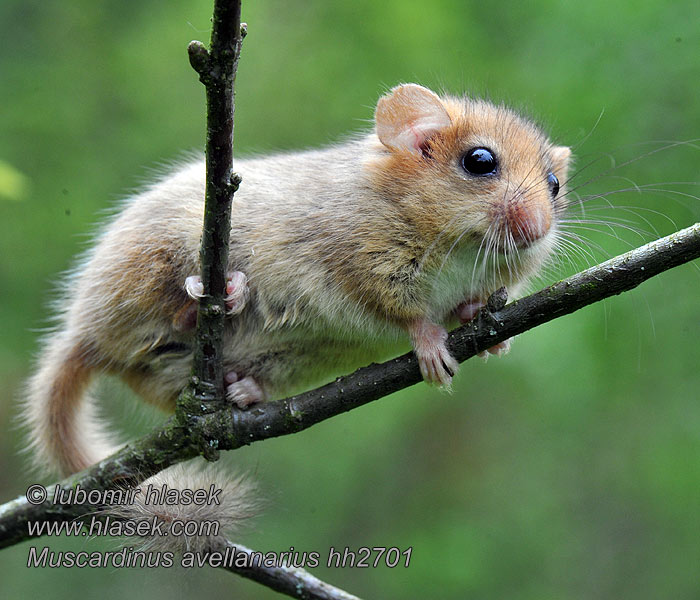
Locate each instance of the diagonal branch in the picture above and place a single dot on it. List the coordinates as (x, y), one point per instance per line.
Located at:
(230, 428)
(494, 323)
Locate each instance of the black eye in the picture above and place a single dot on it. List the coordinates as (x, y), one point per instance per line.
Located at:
(479, 161)
(553, 184)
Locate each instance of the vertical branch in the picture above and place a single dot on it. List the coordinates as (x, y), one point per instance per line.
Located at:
(217, 71)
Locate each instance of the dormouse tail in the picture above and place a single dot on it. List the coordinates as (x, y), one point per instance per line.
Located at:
(196, 508)
(65, 436)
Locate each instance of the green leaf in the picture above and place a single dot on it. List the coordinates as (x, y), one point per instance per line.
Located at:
(14, 186)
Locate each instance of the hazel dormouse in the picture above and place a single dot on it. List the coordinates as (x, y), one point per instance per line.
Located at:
(339, 257)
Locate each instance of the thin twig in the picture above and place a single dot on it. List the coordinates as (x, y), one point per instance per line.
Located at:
(292, 581)
(217, 69)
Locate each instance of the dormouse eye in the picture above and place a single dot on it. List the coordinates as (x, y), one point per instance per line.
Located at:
(479, 161)
(553, 184)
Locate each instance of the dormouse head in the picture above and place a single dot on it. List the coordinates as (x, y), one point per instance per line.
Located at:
(469, 171)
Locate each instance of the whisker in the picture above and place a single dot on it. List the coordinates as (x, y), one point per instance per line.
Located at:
(610, 224)
(612, 234)
(582, 245)
(630, 161)
(476, 259)
(588, 135)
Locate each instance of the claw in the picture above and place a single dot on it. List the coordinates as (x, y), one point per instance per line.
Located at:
(194, 287)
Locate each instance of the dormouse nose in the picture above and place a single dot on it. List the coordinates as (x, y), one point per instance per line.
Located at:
(526, 219)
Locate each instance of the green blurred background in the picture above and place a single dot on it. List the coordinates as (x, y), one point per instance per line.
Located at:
(569, 469)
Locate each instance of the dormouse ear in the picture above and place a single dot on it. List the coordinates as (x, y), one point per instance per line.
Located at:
(561, 156)
(408, 116)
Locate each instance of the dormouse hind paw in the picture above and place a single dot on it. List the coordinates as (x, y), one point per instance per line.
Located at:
(243, 392)
(237, 291)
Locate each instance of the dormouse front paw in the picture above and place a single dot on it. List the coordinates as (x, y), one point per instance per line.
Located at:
(436, 363)
(465, 312)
